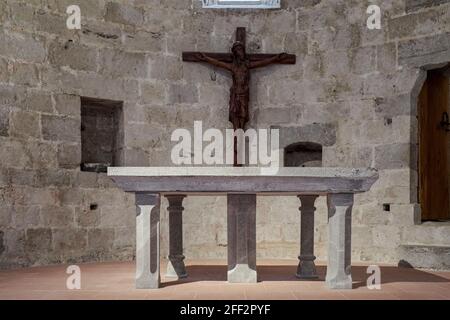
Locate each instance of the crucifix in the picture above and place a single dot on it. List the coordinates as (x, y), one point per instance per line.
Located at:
(239, 63)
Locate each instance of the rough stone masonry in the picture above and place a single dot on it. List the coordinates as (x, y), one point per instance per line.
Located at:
(353, 91)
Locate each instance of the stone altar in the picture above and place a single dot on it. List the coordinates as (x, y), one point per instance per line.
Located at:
(241, 186)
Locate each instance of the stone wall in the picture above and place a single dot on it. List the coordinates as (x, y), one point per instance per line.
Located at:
(353, 91)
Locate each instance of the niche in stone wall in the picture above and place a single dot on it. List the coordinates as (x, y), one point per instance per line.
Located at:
(101, 134)
(303, 154)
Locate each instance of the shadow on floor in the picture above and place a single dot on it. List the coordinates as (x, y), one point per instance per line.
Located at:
(391, 274)
(287, 273)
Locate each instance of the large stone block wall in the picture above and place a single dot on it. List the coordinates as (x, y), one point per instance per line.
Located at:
(353, 90)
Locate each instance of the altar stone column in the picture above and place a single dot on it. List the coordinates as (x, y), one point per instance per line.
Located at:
(241, 214)
(306, 268)
(175, 267)
(339, 241)
(147, 241)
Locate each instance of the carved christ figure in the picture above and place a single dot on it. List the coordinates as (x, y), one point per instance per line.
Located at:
(239, 63)
(240, 69)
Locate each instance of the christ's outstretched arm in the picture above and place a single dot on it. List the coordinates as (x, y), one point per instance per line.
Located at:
(203, 57)
(269, 61)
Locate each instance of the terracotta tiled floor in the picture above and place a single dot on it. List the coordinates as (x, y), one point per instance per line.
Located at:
(207, 280)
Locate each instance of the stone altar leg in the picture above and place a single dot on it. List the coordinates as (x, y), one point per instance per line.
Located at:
(175, 267)
(339, 241)
(147, 241)
(306, 268)
(241, 238)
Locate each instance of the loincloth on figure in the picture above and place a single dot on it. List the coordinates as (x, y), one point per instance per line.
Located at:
(239, 105)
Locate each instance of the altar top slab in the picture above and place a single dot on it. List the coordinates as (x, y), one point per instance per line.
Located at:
(190, 180)
(242, 171)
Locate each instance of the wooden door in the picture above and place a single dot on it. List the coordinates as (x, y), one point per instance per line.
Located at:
(433, 174)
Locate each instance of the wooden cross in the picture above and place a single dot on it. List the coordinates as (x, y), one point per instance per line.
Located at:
(239, 63)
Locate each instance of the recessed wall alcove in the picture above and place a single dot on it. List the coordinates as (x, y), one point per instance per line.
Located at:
(303, 145)
(303, 154)
(101, 134)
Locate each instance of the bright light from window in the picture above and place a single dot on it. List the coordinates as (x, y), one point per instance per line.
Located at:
(247, 4)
